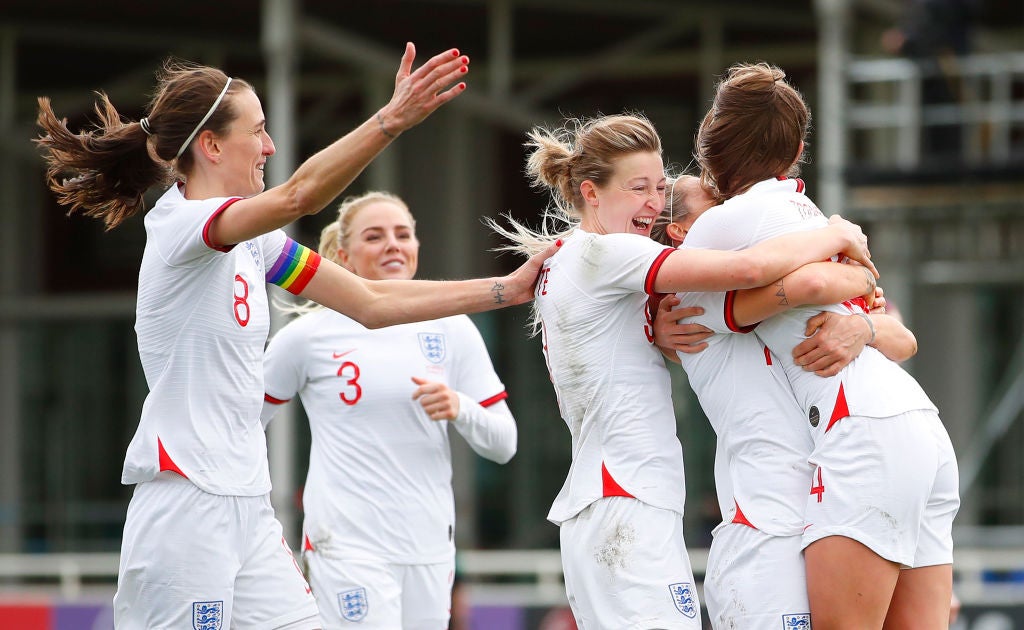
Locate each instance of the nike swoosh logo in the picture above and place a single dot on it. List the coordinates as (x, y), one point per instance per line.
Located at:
(338, 355)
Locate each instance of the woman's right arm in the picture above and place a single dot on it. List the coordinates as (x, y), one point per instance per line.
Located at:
(813, 284)
(321, 178)
(713, 270)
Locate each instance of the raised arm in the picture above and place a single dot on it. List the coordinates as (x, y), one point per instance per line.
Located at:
(322, 177)
(762, 264)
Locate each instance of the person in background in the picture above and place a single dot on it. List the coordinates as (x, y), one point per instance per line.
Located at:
(201, 546)
(379, 526)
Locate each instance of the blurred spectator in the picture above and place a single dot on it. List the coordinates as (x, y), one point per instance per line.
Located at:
(935, 33)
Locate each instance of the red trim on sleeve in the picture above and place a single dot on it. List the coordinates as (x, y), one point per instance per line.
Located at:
(730, 318)
(652, 273)
(166, 463)
(306, 544)
(274, 401)
(610, 487)
(840, 411)
(740, 517)
(487, 402)
(206, 228)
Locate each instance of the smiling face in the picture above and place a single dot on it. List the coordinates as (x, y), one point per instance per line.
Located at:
(381, 243)
(246, 147)
(630, 200)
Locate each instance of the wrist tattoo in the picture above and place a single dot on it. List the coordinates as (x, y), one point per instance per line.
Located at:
(781, 293)
(383, 129)
(497, 289)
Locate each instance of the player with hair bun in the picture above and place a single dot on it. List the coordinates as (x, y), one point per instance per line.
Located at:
(620, 510)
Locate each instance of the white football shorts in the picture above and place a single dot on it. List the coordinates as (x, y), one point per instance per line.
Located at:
(756, 581)
(358, 592)
(626, 568)
(190, 559)
(891, 484)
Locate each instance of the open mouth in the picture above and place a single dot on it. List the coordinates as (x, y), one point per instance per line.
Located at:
(642, 223)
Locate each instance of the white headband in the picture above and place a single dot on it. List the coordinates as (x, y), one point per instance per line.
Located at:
(202, 122)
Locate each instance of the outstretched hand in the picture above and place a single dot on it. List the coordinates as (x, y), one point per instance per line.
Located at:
(418, 93)
(519, 286)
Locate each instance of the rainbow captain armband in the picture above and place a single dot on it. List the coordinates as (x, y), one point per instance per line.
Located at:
(294, 268)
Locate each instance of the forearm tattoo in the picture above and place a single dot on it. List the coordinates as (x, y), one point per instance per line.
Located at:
(497, 290)
(872, 283)
(780, 293)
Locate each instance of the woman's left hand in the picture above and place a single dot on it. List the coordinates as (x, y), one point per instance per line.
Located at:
(438, 400)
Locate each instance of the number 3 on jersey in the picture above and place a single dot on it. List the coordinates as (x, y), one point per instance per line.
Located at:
(354, 391)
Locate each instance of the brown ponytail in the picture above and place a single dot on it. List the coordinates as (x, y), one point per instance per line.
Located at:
(104, 172)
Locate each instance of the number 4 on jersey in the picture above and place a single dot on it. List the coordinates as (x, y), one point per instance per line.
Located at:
(818, 489)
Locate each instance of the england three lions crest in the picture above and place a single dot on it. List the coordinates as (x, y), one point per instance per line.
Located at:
(207, 615)
(353, 604)
(684, 598)
(432, 346)
(801, 621)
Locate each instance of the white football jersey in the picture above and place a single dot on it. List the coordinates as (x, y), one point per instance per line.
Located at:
(871, 385)
(202, 321)
(380, 478)
(761, 467)
(612, 385)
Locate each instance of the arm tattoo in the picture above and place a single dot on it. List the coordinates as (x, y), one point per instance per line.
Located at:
(872, 283)
(499, 297)
(781, 293)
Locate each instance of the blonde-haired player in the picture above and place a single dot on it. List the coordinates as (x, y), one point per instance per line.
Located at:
(379, 527)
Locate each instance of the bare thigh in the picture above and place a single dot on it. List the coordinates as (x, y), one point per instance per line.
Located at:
(922, 598)
(848, 585)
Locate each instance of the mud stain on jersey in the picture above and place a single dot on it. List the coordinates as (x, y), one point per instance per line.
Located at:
(615, 551)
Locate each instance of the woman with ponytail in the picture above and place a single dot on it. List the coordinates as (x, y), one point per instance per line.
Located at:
(201, 547)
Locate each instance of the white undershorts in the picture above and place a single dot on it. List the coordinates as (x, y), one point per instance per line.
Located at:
(891, 484)
(190, 559)
(626, 568)
(373, 594)
(755, 581)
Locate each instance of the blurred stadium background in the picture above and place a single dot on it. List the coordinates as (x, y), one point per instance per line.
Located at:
(926, 153)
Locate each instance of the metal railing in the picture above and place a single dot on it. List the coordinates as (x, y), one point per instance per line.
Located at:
(888, 95)
(508, 577)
